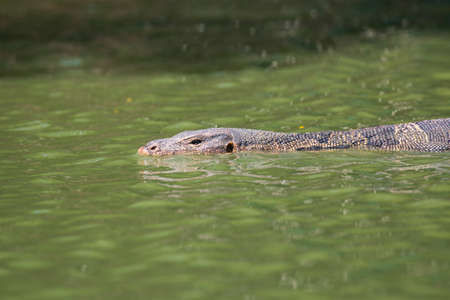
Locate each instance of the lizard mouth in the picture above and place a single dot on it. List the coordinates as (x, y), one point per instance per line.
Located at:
(143, 151)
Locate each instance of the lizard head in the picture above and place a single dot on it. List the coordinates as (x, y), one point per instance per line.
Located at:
(204, 141)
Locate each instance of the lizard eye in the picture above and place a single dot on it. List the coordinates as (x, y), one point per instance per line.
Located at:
(196, 142)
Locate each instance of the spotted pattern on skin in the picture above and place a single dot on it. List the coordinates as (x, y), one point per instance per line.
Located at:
(423, 136)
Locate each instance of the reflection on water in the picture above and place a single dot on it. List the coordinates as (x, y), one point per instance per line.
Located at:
(199, 167)
(285, 169)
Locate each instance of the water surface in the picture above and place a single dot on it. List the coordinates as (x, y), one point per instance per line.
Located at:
(83, 217)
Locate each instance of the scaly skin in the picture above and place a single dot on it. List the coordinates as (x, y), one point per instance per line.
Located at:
(423, 136)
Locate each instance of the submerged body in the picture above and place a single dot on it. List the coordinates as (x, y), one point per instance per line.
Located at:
(423, 136)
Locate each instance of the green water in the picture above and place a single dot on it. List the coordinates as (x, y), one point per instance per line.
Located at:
(83, 217)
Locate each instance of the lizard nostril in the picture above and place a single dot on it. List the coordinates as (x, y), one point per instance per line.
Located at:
(153, 148)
